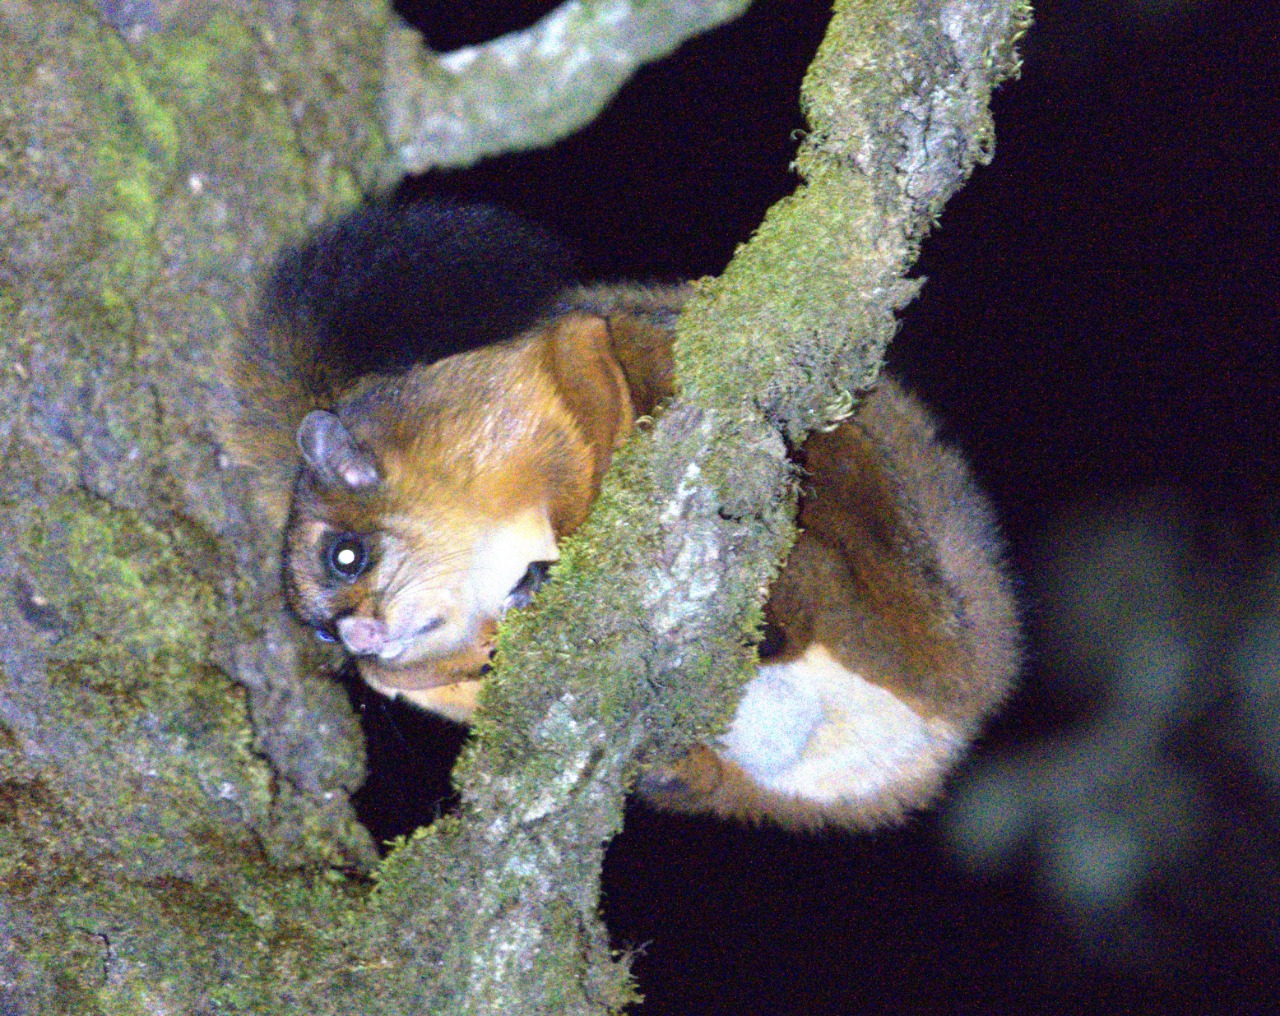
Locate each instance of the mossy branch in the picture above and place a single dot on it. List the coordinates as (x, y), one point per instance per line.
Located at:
(528, 89)
(175, 833)
(638, 647)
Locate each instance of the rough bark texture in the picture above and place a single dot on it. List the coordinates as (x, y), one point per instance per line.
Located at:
(175, 832)
(529, 89)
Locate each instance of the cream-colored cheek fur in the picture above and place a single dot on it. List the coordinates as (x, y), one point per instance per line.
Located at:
(470, 589)
(814, 729)
(503, 554)
(408, 595)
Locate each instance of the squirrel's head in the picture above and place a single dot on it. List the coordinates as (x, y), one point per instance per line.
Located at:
(429, 504)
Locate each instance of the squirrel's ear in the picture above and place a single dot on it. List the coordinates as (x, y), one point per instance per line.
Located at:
(592, 385)
(332, 454)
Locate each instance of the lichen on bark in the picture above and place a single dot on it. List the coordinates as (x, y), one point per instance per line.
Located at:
(531, 88)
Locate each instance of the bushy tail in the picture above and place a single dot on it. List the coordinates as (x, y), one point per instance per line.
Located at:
(377, 291)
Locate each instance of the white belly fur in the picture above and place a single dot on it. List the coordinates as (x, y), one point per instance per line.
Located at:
(814, 729)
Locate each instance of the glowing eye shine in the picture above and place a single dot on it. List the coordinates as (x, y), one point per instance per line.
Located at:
(347, 557)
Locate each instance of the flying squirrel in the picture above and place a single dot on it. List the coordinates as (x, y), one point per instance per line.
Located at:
(434, 403)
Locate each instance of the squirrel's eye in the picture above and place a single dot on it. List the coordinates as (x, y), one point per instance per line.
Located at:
(347, 556)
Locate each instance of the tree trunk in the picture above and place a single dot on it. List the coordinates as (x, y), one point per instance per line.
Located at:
(175, 767)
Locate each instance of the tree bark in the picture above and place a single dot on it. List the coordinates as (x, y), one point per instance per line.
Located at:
(175, 767)
(529, 89)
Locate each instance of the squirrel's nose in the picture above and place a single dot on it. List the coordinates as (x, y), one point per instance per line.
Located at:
(362, 635)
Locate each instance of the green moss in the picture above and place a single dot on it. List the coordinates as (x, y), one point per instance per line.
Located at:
(146, 816)
(344, 191)
(80, 967)
(135, 152)
(787, 304)
(147, 119)
(180, 946)
(181, 65)
(133, 611)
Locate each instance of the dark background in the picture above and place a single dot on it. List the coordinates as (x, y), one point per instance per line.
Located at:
(1099, 322)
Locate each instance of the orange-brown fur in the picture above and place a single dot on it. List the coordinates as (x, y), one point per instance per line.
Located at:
(537, 425)
(879, 577)
(894, 584)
